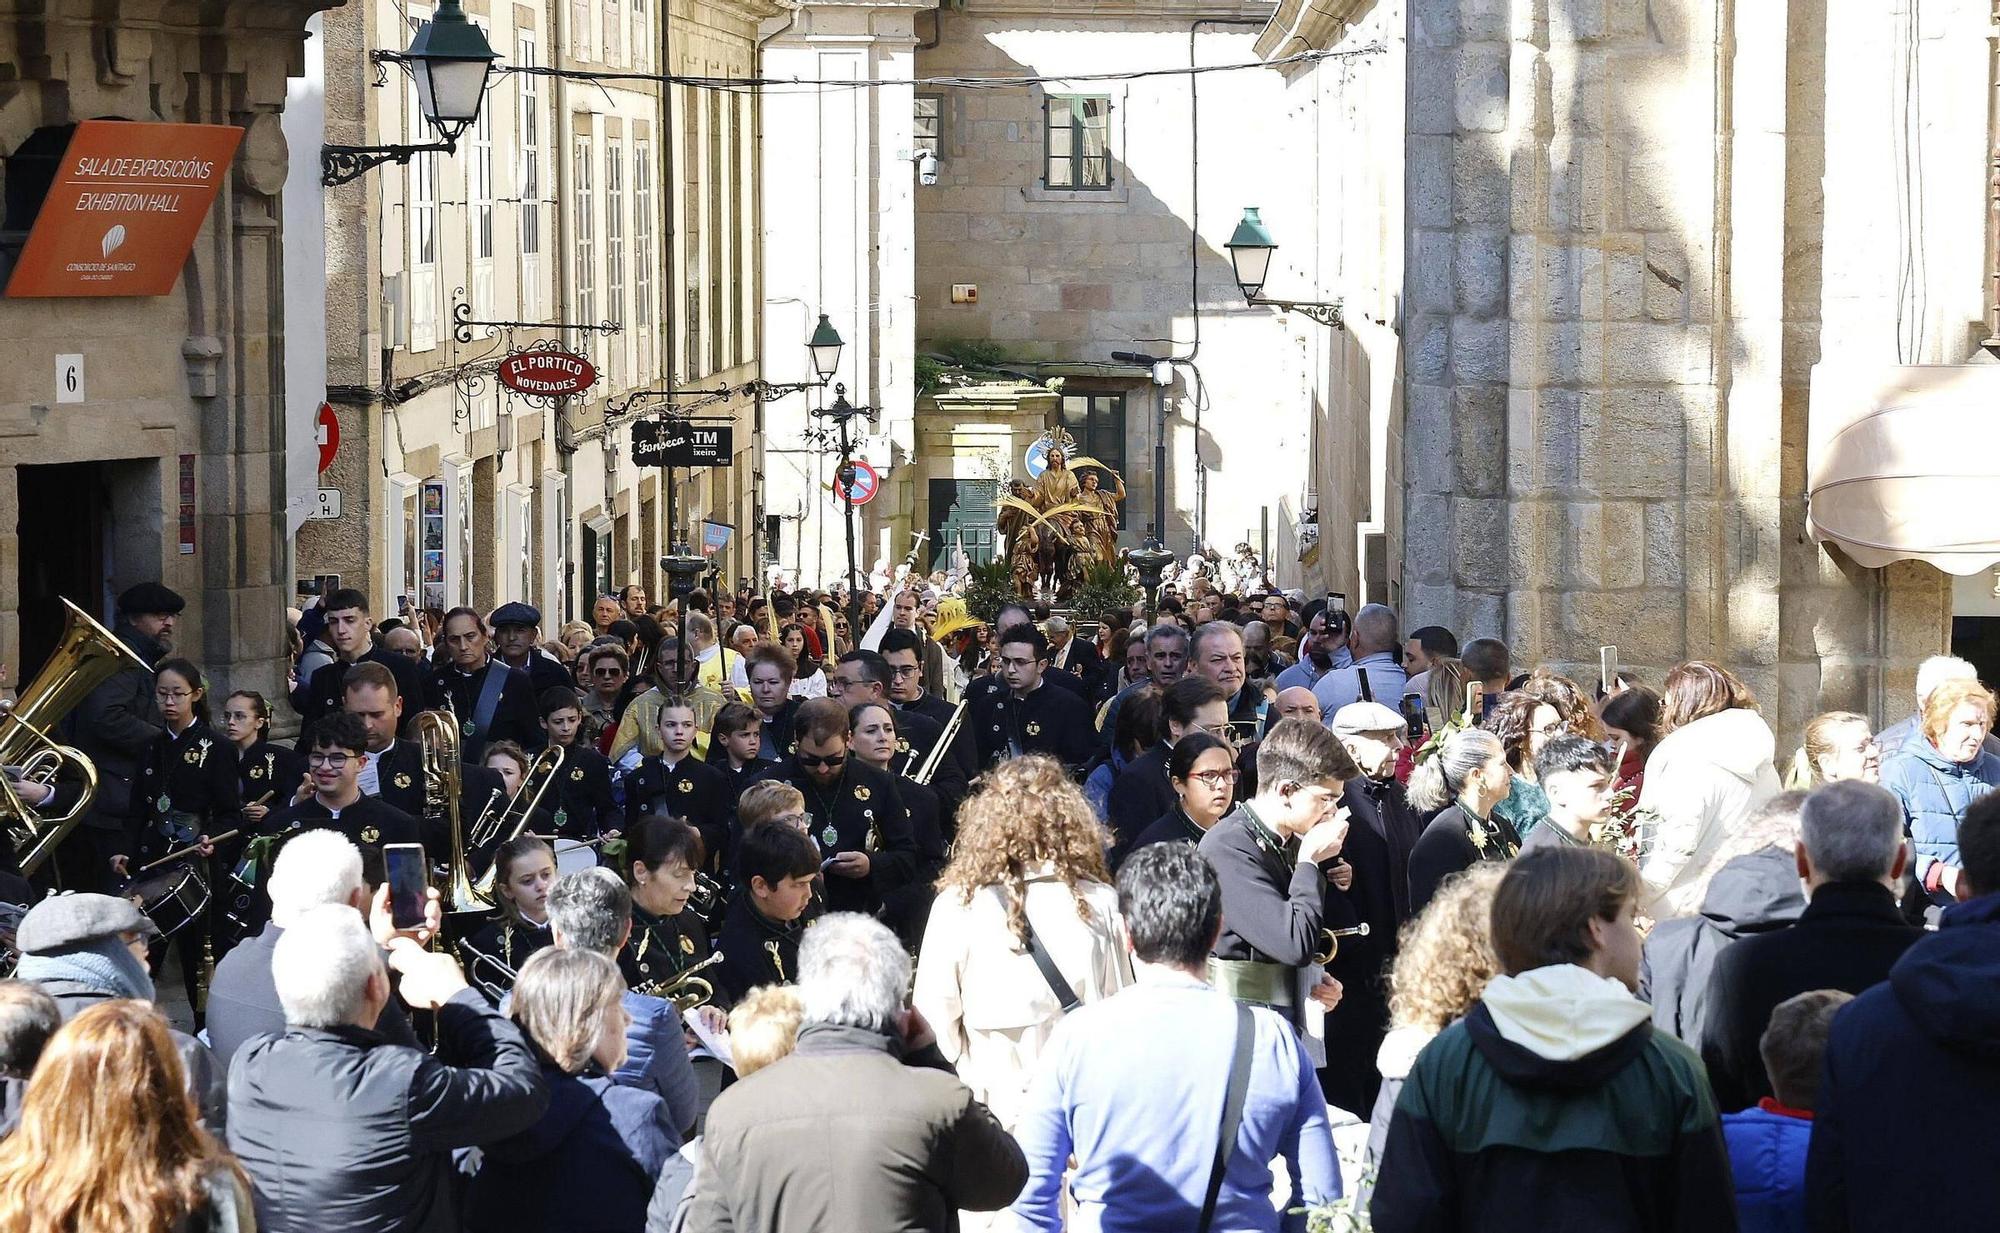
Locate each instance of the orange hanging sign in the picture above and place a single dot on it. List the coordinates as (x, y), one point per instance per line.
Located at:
(122, 215)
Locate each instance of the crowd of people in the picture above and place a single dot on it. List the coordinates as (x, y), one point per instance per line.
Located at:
(786, 912)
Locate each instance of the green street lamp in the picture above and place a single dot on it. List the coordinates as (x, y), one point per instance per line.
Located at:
(451, 62)
(1250, 249)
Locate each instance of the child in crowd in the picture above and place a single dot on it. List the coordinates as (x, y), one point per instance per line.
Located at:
(1767, 1143)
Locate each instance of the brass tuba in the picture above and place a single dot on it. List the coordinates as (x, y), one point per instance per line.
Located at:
(686, 990)
(510, 819)
(437, 737)
(87, 656)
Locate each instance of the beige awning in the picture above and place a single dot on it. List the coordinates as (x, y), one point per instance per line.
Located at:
(1903, 464)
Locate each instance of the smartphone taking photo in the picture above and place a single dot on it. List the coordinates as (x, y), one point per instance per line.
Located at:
(408, 882)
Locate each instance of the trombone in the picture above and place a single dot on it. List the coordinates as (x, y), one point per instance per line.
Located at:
(686, 990)
(512, 818)
(1331, 939)
(932, 760)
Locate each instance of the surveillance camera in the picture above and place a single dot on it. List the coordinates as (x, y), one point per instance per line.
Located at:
(927, 167)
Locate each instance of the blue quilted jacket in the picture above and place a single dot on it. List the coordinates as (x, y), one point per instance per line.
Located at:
(1935, 794)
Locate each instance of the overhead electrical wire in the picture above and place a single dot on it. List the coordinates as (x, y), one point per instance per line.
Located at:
(745, 84)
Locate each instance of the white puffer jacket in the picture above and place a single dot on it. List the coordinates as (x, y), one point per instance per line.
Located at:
(1704, 781)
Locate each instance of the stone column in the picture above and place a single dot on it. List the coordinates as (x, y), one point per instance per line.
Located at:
(1611, 309)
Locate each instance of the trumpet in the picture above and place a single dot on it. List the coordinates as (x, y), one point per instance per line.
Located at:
(1331, 937)
(928, 771)
(498, 984)
(512, 818)
(686, 990)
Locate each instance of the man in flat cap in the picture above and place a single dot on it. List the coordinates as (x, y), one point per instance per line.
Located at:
(114, 725)
(84, 949)
(1375, 891)
(516, 635)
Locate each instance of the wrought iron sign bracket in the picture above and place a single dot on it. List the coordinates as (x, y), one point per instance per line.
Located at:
(463, 325)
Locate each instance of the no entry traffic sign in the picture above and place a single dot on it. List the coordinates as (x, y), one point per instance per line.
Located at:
(866, 484)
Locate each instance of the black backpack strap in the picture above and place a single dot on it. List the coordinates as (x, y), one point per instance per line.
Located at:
(1052, 974)
(1232, 1112)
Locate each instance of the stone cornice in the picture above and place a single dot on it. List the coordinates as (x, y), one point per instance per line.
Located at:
(1308, 25)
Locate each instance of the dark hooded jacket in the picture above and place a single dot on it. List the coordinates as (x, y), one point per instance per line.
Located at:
(1754, 893)
(1554, 1104)
(1912, 1077)
(588, 1166)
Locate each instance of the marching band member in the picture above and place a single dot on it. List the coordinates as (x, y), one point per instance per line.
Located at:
(493, 702)
(760, 934)
(734, 743)
(865, 676)
(906, 900)
(676, 783)
(525, 870)
(393, 769)
(336, 801)
(663, 856)
(1025, 715)
(185, 792)
(900, 651)
(268, 775)
(853, 808)
(583, 806)
(349, 630)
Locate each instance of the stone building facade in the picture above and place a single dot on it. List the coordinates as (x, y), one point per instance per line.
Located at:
(1080, 216)
(620, 202)
(1631, 232)
(171, 466)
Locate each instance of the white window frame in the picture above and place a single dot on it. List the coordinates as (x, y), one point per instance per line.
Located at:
(642, 251)
(422, 198)
(528, 135)
(586, 234)
(555, 540)
(405, 575)
(641, 42)
(582, 21)
(614, 252)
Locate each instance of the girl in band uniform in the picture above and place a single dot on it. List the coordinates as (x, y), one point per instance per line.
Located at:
(526, 871)
(185, 793)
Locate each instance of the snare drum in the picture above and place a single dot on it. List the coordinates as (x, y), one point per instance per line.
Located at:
(172, 898)
(574, 856)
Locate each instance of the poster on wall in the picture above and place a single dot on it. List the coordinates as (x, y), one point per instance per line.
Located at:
(715, 537)
(123, 210)
(433, 518)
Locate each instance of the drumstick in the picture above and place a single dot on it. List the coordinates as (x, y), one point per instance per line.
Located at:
(193, 847)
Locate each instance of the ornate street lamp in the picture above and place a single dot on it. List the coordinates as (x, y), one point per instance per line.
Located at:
(1151, 561)
(1250, 249)
(451, 62)
(825, 346)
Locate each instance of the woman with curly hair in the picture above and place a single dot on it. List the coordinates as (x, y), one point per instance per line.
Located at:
(1027, 870)
(109, 1140)
(1443, 961)
(1571, 703)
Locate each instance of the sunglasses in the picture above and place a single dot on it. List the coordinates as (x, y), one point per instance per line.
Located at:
(806, 759)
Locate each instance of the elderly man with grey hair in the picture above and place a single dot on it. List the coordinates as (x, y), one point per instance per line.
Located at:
(340, 1128)
(1851, 855)
(591, 910)
(843, 1134)
(1931, 673)
(315, 868)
